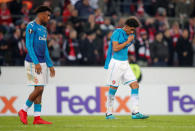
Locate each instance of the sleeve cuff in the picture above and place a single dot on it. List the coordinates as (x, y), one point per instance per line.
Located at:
(35, 62)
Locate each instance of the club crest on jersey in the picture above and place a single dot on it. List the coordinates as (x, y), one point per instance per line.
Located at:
(113, 82)
(30, 31)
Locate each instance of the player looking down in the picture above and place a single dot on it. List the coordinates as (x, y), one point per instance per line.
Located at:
(36, 62)
(118, 68)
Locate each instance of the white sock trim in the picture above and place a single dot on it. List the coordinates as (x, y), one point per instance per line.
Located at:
(25, 108)
(135, 102)
(110, 103)
(37, 114)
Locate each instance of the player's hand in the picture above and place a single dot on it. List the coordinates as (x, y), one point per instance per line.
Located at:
(52, 71)
(38, 68)
(130, 38)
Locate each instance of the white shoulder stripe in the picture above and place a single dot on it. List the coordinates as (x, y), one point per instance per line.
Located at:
(31, 23)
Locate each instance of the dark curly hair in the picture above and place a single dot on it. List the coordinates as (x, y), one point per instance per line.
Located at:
(132, 22)
(43, 8)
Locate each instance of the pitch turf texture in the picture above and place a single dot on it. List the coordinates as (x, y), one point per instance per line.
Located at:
(98, 123)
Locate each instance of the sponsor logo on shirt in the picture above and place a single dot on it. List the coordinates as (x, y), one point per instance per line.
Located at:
(42, 38)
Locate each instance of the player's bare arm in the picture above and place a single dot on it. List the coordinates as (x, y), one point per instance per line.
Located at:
(52, 71)
(117, 46)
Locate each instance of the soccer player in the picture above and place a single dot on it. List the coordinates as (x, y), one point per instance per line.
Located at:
(36, 62)
(118, 68)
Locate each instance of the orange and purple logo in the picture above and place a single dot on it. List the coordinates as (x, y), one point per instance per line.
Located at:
(78, 104)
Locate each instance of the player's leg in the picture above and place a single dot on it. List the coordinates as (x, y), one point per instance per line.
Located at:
(110, 102)
(130, 79)
(114, 76)
(37, 102)
(36, 92)
(37, 108)
(135, 96)
(135, 100)
(34, 79)
(23, 112)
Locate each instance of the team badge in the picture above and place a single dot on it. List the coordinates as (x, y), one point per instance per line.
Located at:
(36, 80)
(30, 31)
(113, 82)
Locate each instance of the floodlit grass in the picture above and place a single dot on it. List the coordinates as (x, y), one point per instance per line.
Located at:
(99, 123)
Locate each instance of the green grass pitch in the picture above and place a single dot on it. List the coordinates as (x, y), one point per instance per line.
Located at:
(98, 123)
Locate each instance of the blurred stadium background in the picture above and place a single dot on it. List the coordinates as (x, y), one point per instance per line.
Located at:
(78, 38)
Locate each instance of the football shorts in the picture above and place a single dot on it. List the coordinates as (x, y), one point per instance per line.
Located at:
(119, 71)
(33, 78)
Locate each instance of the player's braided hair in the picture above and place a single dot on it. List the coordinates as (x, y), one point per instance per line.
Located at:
(132, 22)
(43, 8)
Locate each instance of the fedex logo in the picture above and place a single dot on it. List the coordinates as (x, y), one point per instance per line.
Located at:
(186, 102)
(77, 104)
(8, 104)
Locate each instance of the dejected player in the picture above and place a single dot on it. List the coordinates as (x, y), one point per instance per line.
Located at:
(118, 68)
(36, 63)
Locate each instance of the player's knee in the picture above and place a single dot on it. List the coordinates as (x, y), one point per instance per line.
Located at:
(40, 89)
(134, 85)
